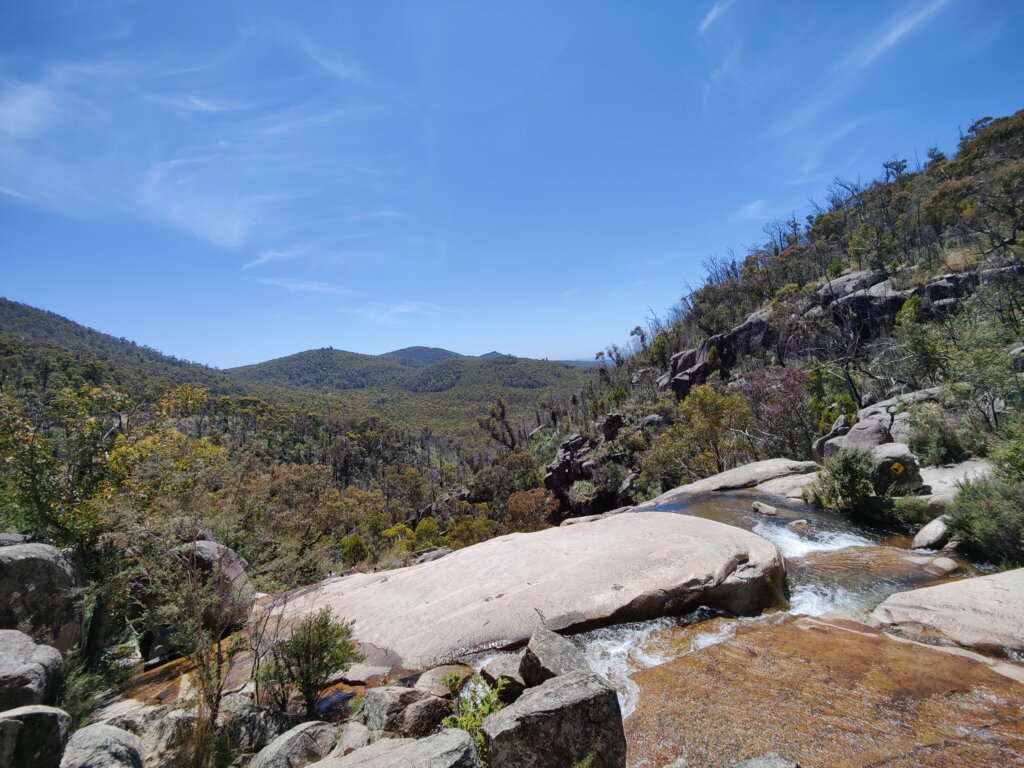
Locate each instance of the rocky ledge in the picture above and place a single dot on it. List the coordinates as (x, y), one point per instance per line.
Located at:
(495, 594)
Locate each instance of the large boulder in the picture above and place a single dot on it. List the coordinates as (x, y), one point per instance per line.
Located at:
(433, 680)
(985, 612)
(29, 673)
(40, 737)
(449, 748)
(102, 746)
(38, 587)
(567, 466)
(844, 285)
(249, 727)
(609, 426)
(495, 594)
(397, 711)
(747, 476)
(548, 655)
(232, 582)
(504, 669)
(353, 736)
(934, 535)
(302, 745)
(569, 720)
(165, 737)
(897, 469)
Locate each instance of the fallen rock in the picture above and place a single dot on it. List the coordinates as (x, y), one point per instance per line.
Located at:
(985, 612)
(397, 711)
(431, 681)
(302, 745)
(504, 667)
(102, 746)
(934, 535)
(495, 594)
(450, 748)
(39, 740)
(764, 509)
(565, 721)
(548, 655)
(38, 586)
(897, 469)
(29, 673)
(353, 736)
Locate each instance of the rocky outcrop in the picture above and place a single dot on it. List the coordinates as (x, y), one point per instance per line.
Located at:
(102, 746)
(567, 466)
(747, 476)
(250, 728)
(353, 736)
(569, 720)
(397, 711)
(985, 612)
(495, 594)
(448, 749)
(38, 586)
(608, 427)
(39, 737)
(878, 424)
(934, 535)
(29, 673)
(302, 745)
(548, 655)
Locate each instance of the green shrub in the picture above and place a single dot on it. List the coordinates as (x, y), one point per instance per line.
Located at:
(907, 510)
(1008, 454)
(988, 518)
(476, 701)
(934, 440)
(354, 549)
(844, 483)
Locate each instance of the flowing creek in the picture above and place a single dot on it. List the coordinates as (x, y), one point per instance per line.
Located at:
(833, 565)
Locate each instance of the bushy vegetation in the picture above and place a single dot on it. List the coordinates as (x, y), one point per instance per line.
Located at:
(471, 705)
(844, 483)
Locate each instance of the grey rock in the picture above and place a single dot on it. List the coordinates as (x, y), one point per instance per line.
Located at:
(166, 735)
(449, 748)
(505, 667)
(653, 421)
(403, 711)
(567, 466)
(29, 673)
(249, 727)
(749, 475)
(565, 720)
(102, 746)
(40, 739)
(9, 730)
(302, 745)
(897, 469)
(231, 579)
(798, 525)
(846, 284)
(548, 655)
(764, 509)
(935, 535)
(353, 736)
(431, 681)
(609, 426)
(9, 539)
(38, 586)
(434, 553)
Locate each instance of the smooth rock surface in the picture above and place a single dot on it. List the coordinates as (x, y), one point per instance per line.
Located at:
(431, 681)
(944, 482)
(39, 740)
(826, 693)
(449, 748)
(29, 673)
(102, 746)
(548, 655)
(755, 473)
(897, 469)
(353, 736)
(37, 586)
(563, 722)
(505, 667)
(495, 594)
(302, 745)
(790, 487)
(985, 612)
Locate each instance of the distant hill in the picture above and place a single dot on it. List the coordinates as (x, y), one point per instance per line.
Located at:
(415, 387)
(420, 356)
(492, 354)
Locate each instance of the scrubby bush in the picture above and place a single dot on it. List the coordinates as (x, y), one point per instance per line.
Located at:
(844, 483)
(934, 440)
(472, 706)
(530, 511)
(988, 518)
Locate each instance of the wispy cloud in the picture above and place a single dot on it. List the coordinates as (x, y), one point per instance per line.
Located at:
(26, 109)
(383, 215)
(757, 210)
(716, 11)
(389, 314)
(274, 254)
(305, 286)
(886, 37)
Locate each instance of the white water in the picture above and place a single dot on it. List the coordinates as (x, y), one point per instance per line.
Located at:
(793, 544)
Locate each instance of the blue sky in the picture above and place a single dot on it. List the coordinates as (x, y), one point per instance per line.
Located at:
(234, 181)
